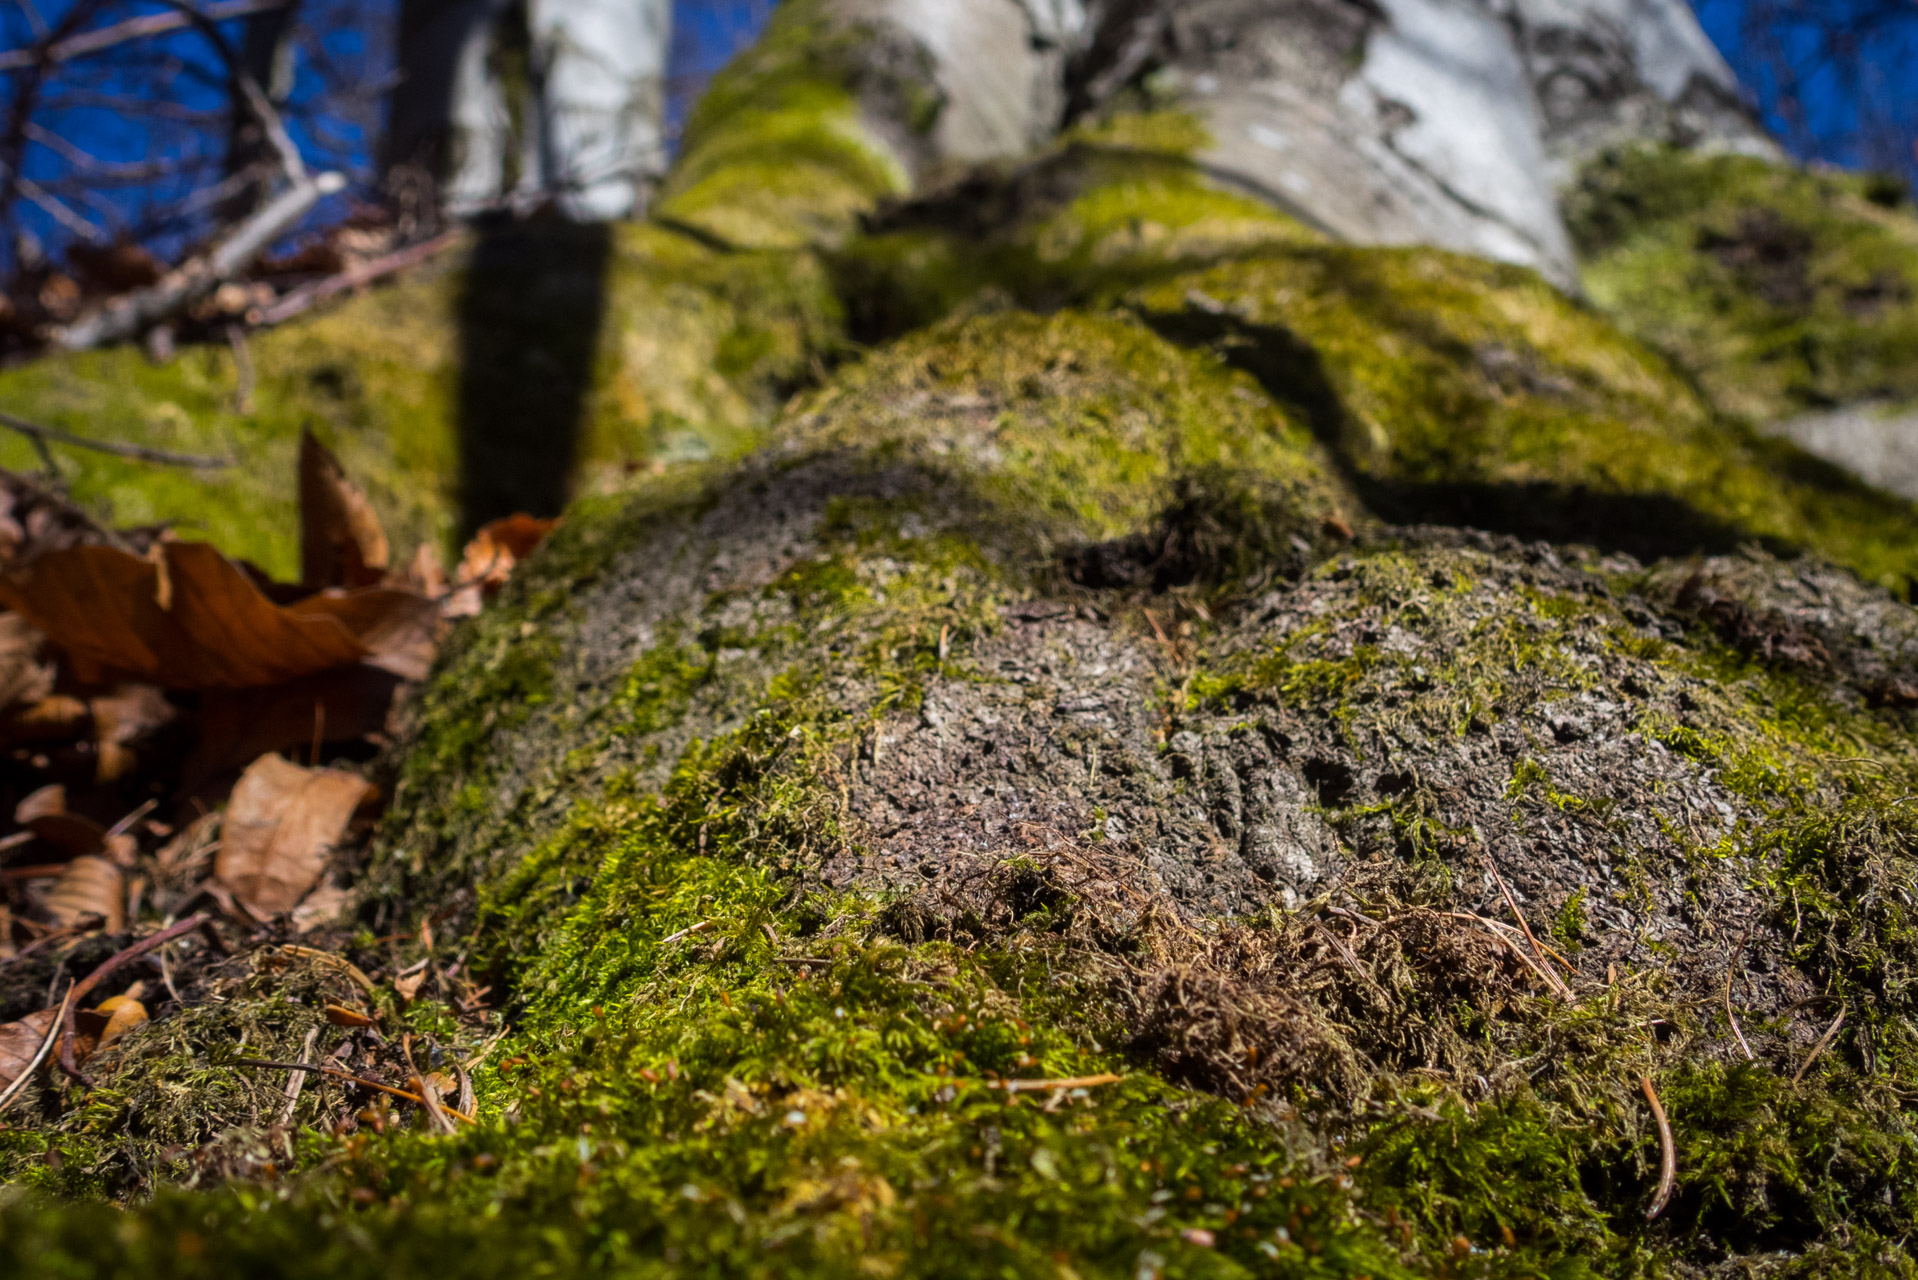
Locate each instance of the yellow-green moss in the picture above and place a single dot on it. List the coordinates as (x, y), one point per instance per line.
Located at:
(1460, 390)
(693, 350)
(1780, 290)
(778, 153)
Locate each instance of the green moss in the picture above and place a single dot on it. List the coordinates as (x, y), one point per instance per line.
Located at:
(1780, 290)
(1459, 390)
(688, 351)
(778, 153)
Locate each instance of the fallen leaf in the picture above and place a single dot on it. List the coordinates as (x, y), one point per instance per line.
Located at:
(489, 558)
(124, 1013)
(341, 1016)
(90, 886)
(282, 824)
(409, 986)
(237, 726)
(325, 905)
(120, 720)
(102, 607)
(44, 812)
(400, 629)
(20, 1041)
(23, 677)
(341, 542)
(426, 574)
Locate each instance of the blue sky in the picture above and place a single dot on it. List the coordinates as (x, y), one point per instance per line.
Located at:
(112, 111)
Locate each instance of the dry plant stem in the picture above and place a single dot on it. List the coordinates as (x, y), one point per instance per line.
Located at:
(242, 369)
(338, 1074)
(296, 1080)
(40, 1055)
(309, 296)
(702, 926)
(1667, 1151)
(1824, 1042)
(1731, 972)
(1557, 983)
(1040, 1086)
(139, 453)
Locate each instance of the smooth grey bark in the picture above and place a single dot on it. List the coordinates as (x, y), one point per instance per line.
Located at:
(1443, 122)
(581, 121)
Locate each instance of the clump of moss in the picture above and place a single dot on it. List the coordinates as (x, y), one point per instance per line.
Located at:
(1779, 290)
(781, 151)
(1463, 391)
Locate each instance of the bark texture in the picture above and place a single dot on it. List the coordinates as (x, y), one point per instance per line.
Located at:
(1186, 747)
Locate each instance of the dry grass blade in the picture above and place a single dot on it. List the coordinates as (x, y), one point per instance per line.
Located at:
(1824, 1042)
(1552, 979)
(1731, 972)
(1667, 1151)
(296, 1080)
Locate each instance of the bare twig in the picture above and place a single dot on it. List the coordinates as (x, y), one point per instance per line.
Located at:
(1824, 1042)
(242, 369)
(1041, 1086)
(307, 297)
(132, 29)
(139, 453)
(296, 1080)
(1667, 1151)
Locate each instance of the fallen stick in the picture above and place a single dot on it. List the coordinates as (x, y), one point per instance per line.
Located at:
(1667, 1151)
(140, 453)
(306, 297)
(131, 313)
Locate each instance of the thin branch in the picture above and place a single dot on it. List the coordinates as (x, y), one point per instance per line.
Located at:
(305, 298)
(80, 46)
(139, 453)
(19, 1083)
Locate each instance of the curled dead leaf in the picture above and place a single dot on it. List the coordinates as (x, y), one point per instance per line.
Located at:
(20, 1041)
(44, 812)
(341, 542)
(192, 619)
(90, 886)
(489, 558)
(282, 824)
(409, 986)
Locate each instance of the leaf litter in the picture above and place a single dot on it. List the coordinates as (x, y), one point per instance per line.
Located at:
(157, 699)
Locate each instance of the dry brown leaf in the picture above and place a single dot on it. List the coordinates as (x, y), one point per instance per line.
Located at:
(427, 574)
(325, 905)
(409, 986)
(44, 812)
(55, 719)
(282, 824)
(400, 629)
(120, 720)
(90, 886)
(23, 677)
(238, 726)
(102, 607)
(489, 558)
(20, 1041)
(341, 542)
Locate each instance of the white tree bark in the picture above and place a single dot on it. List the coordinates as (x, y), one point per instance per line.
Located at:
(1442, 122)
(585, 125)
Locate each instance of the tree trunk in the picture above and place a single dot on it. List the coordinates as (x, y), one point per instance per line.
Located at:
(1217, 733)
(504, 102)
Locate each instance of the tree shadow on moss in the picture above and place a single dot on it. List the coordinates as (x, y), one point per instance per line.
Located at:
(530, 315)
(1648, 525)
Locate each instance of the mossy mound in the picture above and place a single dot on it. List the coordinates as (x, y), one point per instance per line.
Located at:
(1779, 290)
(795, 808)
(1457, 390)
(632, 345)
